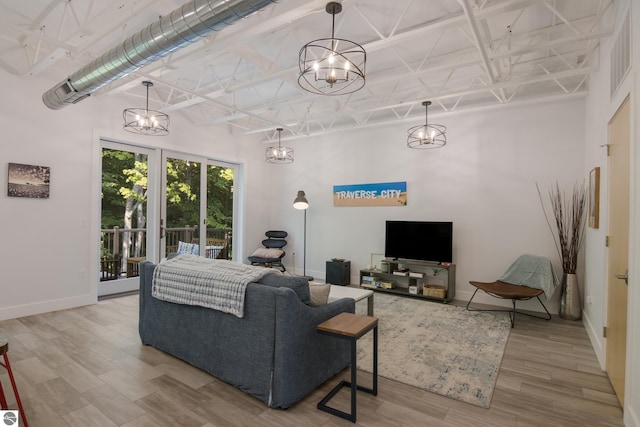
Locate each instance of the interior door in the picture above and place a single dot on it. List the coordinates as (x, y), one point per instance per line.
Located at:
(618, 253)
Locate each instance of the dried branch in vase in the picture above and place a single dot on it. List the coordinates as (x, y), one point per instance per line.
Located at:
(570, 218)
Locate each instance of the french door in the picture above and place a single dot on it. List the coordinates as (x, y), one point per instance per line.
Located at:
(127, 212)
(197, 206)
(153, 201)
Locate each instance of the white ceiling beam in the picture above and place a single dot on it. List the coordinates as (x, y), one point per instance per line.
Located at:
(46, 11)
(475, 32)
(233, 35)
(281, 19)
(436, 97)
(277, 21)
(283, 73)
(557, 13)
(295, 100)
(395, 122)
(36, 35)
(507, 84)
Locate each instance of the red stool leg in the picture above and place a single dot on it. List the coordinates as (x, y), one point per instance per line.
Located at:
(15, 390)
(3, 400)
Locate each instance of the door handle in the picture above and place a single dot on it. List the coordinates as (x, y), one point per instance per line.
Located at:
(624, 277)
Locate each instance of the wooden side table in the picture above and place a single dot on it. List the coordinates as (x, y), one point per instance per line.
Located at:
(351, 327)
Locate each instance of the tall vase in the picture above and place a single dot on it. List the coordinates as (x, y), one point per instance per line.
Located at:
(570, 306)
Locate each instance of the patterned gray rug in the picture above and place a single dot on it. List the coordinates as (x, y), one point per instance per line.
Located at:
(440, 348)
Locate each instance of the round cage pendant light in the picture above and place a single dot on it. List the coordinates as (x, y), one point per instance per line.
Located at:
(427, 135)
(144, 121)
(279, 154)
(332, 66)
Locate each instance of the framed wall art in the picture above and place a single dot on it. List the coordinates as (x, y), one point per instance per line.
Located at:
(594, 197)
(28, 181)
(376, 194)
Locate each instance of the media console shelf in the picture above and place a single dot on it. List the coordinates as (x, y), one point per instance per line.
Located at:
(412, 278)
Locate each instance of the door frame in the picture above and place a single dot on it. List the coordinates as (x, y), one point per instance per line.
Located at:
(153, 203)
(93, 281)
(611, 280)
(130, 284)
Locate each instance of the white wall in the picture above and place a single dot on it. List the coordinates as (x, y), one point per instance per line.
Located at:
(484, 181)
(50, 245)
(600, 108)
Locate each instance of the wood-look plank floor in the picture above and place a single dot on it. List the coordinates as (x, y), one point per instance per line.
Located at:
(85, 367)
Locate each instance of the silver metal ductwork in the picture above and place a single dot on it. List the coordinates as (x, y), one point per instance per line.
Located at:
(194, 20)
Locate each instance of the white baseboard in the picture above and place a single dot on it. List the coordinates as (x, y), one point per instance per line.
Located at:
(595, 337)
(631, 417)
(46, 306)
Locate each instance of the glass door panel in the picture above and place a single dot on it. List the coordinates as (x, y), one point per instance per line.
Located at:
(220, 184)
(182, 210)
(123, 229)
(198, 206)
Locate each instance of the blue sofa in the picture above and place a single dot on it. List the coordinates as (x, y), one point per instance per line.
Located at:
(273, 353)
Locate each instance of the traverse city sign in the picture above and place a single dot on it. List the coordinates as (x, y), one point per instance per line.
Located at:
(377, 194)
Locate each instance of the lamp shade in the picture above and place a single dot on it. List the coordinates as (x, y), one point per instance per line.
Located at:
(301, 201)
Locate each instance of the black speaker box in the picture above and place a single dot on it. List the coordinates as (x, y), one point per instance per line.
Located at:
(338, 272)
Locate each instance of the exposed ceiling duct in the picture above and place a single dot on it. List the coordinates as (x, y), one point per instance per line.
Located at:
(188, 23)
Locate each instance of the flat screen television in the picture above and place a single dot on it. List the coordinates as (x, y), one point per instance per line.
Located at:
(419, 240)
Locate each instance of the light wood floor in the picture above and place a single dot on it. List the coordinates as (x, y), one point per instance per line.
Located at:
(86, 367)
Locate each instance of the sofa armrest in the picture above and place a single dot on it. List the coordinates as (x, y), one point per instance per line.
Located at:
(304, 359)
(318, 314)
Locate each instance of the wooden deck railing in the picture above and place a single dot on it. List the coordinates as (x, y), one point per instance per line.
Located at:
(120, 244)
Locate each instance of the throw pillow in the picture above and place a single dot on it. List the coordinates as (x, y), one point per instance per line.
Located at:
(268, 253)
(319, 293)
(188, 248)
(300, 285)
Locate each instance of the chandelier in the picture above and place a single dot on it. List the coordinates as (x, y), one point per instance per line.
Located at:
(144, 121)
(279, 154)
(427, 135)
(332, 66)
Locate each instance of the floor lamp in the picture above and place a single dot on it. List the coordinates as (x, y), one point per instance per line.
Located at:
(302, 203)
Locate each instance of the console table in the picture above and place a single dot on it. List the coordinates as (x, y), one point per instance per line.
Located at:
(413, 278)
(351, 326)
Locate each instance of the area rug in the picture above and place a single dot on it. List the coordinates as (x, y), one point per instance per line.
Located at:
(440, 348)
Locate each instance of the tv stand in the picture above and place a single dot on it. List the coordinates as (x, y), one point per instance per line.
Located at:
(420, 279)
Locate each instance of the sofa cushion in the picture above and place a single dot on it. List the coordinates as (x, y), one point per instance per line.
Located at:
(319, 293)
(267, 253)
(300, 285)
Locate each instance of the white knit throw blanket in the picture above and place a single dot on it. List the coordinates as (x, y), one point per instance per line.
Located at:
(212, 283)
